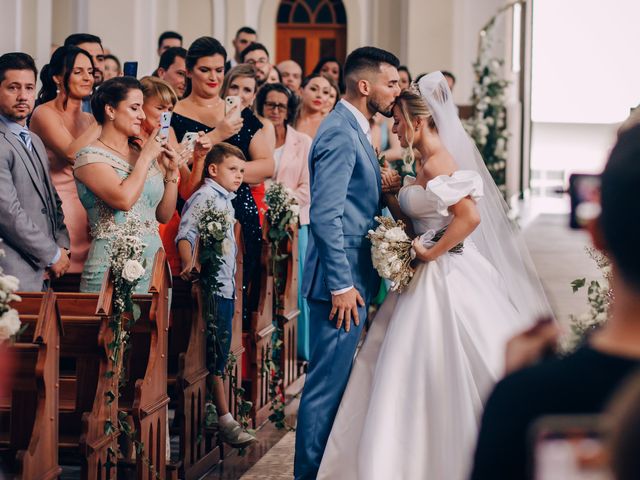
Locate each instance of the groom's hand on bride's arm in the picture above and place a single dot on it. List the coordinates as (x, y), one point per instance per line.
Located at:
(345, 306)
(391, 180)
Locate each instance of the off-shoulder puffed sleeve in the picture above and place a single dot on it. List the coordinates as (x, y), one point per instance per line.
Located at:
(449, 190)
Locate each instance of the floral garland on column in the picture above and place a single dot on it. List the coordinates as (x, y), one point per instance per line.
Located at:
(488, 126)
(283, 212)
(125, 250)
(9, 318)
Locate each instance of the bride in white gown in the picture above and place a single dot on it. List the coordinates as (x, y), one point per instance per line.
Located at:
(434, 351)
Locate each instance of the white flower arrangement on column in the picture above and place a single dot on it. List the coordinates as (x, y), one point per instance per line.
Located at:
(488, 125)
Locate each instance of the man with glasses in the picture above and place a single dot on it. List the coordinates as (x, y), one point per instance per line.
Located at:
(257, 55)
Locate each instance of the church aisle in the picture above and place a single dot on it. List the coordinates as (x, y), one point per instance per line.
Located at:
(560, 257)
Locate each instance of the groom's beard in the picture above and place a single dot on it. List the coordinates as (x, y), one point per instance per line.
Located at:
(375, 106)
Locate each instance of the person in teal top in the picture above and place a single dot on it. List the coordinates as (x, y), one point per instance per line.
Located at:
(118, 182)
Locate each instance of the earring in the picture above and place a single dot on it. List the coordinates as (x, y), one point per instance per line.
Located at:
(57, 88)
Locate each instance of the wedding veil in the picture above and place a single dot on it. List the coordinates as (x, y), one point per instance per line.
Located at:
(496, 238)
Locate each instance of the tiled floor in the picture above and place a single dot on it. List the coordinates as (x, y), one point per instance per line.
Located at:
(559, 256)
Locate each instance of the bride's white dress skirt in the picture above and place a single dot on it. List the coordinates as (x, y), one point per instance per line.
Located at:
(433, 353)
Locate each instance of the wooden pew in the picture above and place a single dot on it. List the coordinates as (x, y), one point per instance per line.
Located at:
(29, 413)
(144, 395)
(287, 315)
(84, 384)
(257, 342)
(199, 448)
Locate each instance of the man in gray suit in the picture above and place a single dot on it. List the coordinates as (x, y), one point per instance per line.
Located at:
(35, 239)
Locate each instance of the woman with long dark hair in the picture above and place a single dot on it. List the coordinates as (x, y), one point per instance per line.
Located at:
(332, 68)
(203, 110)
(315, 92)
(64, 129)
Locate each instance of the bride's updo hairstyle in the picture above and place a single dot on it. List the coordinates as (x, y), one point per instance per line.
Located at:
(412, 105)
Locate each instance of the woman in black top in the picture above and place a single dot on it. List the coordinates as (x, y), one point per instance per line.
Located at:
(203, 110)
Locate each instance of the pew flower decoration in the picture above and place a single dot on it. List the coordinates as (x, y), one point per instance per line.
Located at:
(213, 225)
(282, 215)
(9, 319)
(599, 298)
(125, 252)
(391, 252)
(283, 209)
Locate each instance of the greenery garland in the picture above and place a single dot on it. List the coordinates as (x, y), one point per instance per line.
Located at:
(213, 225)
(283, 212)
(599, 298)
(127, 268)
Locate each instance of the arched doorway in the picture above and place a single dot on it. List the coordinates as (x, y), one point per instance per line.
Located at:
(309, 30)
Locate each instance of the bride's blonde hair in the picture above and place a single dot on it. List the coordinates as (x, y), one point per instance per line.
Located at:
(411, 106)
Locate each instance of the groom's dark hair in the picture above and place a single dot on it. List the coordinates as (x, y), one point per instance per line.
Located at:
(368, 58)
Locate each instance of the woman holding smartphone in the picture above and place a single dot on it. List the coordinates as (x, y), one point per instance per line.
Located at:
(204, 110)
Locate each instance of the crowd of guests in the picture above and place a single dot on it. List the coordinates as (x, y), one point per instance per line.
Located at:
(84, 159)
(84, 156)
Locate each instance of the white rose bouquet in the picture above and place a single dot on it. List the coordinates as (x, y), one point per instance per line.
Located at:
(391, 252)
(9, 319)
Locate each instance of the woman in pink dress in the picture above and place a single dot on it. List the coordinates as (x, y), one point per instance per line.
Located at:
(65, 128)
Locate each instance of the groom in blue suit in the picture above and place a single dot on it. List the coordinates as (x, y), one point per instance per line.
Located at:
(339, 279)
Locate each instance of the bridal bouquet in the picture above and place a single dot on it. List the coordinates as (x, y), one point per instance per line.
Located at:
(391, 252)
(9, 320)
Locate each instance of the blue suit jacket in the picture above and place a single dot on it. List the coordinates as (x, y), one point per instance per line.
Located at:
(346, 195)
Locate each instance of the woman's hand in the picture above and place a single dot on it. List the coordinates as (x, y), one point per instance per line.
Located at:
(422, 253)
(154, 146)
(391, 181)
(170, 160)
(228, 126)
(202, 147)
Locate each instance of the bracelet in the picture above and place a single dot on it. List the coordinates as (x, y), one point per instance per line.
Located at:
(171, 180)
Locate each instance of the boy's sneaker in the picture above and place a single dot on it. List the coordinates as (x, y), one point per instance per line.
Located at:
(234, 435)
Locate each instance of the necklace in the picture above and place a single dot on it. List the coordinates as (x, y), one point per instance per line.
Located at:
(211, 105)
(124, 155)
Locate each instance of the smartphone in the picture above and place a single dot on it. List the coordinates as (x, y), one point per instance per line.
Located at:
(584, 192)
(189, 140)
(568, 447)
(233, 101)
(165, 123)
(130, 69)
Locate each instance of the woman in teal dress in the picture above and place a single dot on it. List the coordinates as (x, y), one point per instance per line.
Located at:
(120, 183)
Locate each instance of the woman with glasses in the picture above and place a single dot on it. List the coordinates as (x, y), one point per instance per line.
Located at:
(278, 104)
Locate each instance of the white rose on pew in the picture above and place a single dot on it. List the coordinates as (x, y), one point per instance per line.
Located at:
(132, 270)
(9, 283)
(9, 324)
(226, 246)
